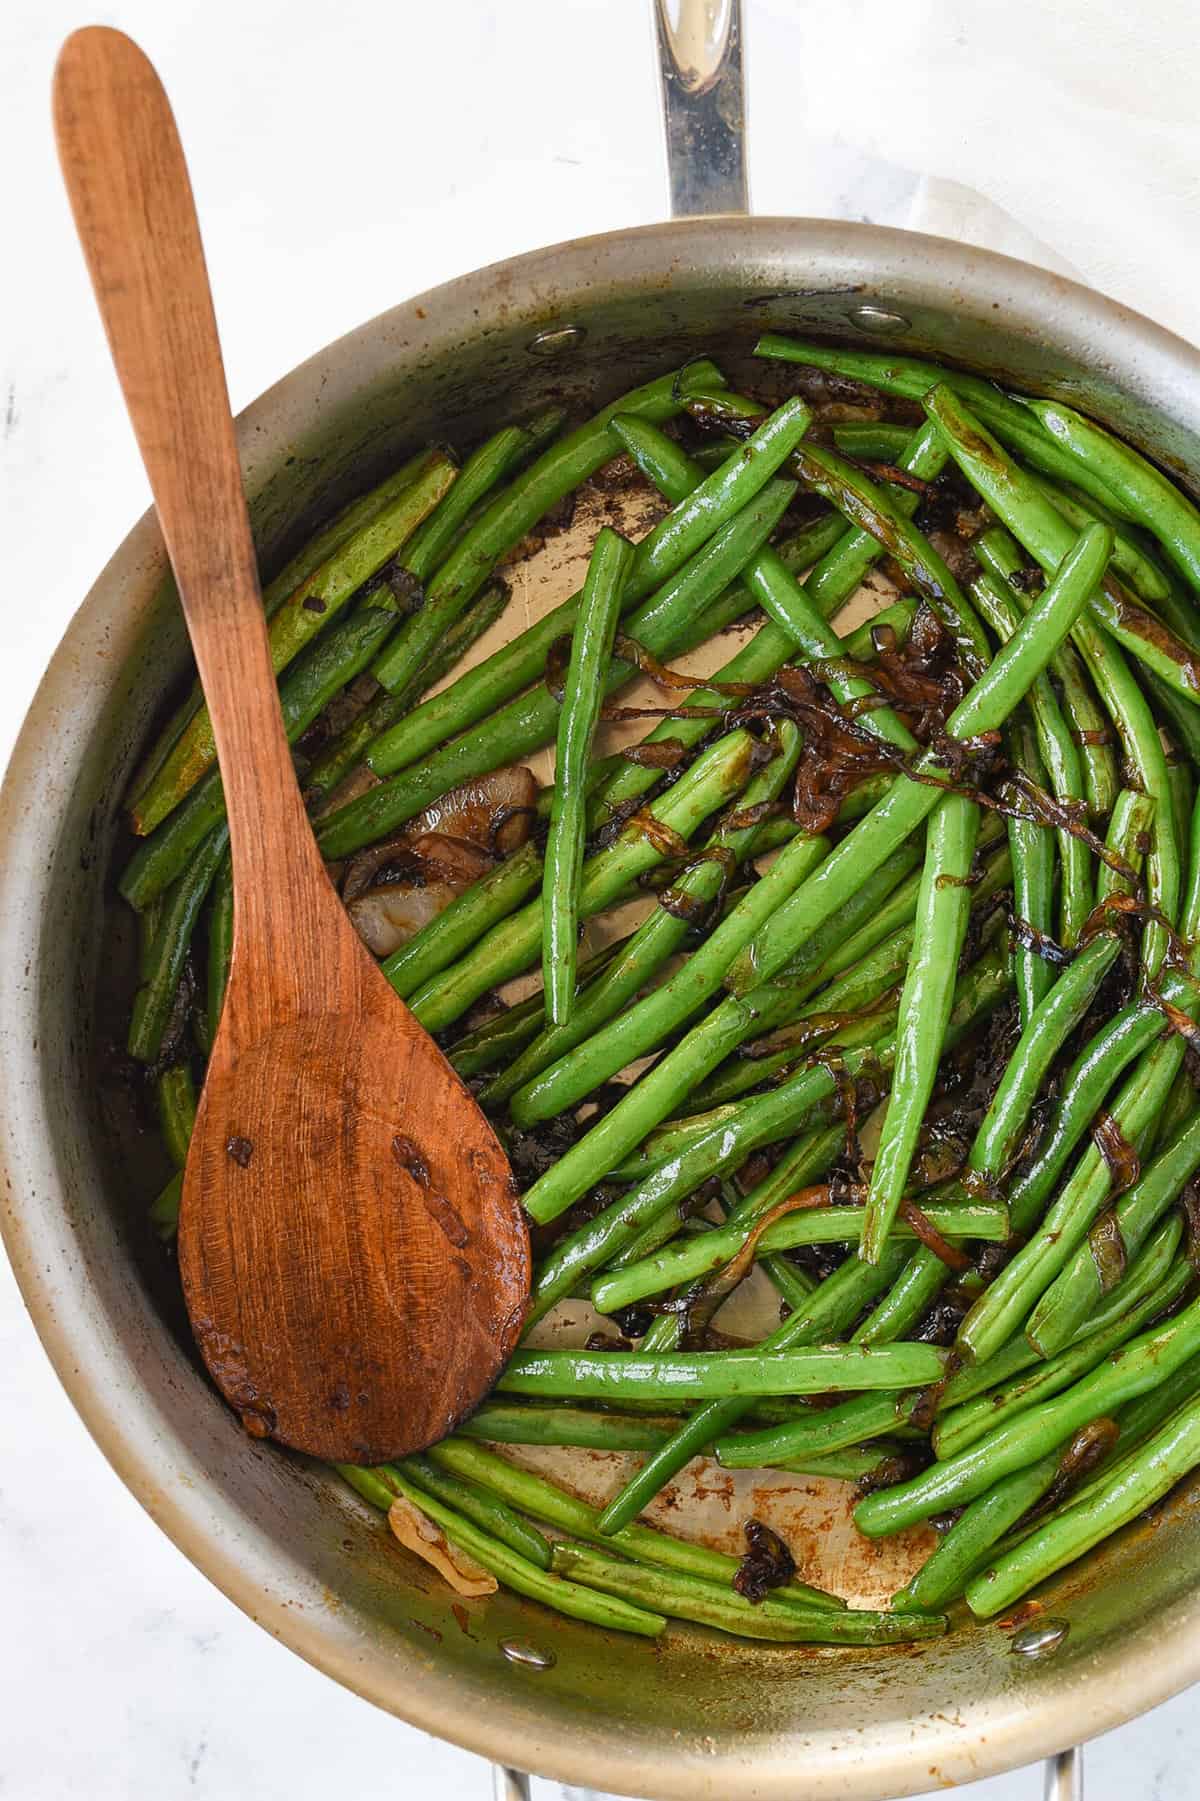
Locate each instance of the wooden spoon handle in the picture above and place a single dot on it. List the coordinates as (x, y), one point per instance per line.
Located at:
(132, 199)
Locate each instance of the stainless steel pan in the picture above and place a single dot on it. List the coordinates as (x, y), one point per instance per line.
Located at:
(694, 1718)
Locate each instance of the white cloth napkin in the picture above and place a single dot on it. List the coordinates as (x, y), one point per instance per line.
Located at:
(1065, 133)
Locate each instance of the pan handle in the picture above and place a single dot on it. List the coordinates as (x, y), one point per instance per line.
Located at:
(704, 105)
(509, 1785)
(1064, 1775)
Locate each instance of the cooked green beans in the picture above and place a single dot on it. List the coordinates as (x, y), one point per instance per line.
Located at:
(942, 908)
(380, 1487)
(659, 936)
(299, 619)
(897, 901)
(529, 721)
(1131, 1371)
(817, 1225)
(535, 1495)
(1074, 1293)
(594, 1375)
(693, 1598)
(1172, 1452)
(514, 512)
(591, 648)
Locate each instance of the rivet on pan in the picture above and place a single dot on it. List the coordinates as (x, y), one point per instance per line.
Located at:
(556, 340)
(519, 1650)
(878, 319)
(1040, 1640)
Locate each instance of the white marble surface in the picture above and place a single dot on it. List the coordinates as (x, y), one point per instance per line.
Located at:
(344, 156)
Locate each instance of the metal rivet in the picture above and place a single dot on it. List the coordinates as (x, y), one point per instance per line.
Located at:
(1040, 1640)
(519, 1650)
(878, 319)
(559, 338)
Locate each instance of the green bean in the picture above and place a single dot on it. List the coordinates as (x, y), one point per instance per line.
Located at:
(529, 721)
(925, 1004)
(175, 1093)
(1003, 1126)
(786, 601)
(999, 553)
(1091, 731)
(1135, 1368)
(503, 675)
(500, 1039)
(1180, 1105)
(313, 553)
(959, 1554)
(1171, 1454)
(659, 554)
(489, 464)
(164, 1209)
(757, 1121)
(306, 689)
(1016, 498)
(909, 1298)
(514, 944)
(516, 510)
(1000, 1132)
(825, 1430)
(533, 1494)
(870, 507)
(851, 1464)
(452, 933)
(896, 618)
(641, 1027)
(487, 1511)
(1128, 559)
(835, 947)
(866, 937)
(591, 647)
(872, 439)
(1070, 1298)
(156, 994)
(800, 1164)
(220, 945)
(302, 616)
(721, 1375)
(1032, 850)
(1126, 1037)
(381, 1486)
(1149, 1269)
(1146, 1275)
(814, 1225)
(1182, 724)
(1061, 756)
(1138, 1418)
(1183, 798)
(963, 1425)
(515, 1423)
(348, 749)
(1145, 493)
(1025, 1278)
(869, 1044)
(912, 380)
(1046, 534)
(658, 937)
(830, 583)
(692, 1598)
(983, 709)
(838, 1300)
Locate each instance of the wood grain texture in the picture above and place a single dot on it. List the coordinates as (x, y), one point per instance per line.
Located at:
(354, 1256)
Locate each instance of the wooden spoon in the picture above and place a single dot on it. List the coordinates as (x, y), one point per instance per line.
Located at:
(354, 1255)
